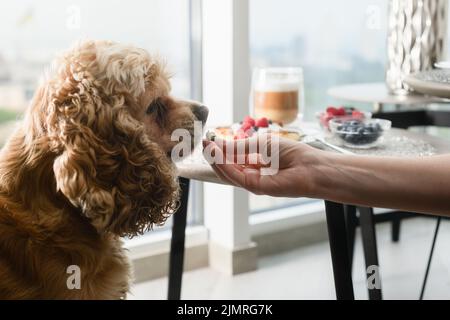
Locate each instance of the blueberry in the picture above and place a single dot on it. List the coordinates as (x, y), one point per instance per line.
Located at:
(378, 127)
(354, 123)
(354, 129)
(357, 133)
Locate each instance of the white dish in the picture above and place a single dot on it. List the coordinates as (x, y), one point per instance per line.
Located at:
(442, 65)
(434, 82)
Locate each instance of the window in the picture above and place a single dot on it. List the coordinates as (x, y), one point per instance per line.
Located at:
(335, 42)
(34, 32)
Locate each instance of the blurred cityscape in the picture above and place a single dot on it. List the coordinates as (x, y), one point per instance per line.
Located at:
(334, 43)
(319, 77)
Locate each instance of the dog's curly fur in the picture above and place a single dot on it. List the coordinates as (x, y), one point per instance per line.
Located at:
(87, 165)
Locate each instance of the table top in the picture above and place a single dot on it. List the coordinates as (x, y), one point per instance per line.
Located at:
(195, 166)
(379, 94)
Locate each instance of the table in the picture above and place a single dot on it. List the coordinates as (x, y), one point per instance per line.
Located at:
(378, 95)
(197, 169)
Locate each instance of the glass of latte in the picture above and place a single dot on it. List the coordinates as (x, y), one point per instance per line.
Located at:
(278, 94)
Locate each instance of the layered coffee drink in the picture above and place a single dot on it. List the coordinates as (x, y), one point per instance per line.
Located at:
(277, 94)
(278, 102)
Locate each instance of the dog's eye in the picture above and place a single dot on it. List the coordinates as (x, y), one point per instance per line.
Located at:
(155, 107)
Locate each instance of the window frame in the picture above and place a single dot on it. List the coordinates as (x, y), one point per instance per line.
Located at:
(195, 205)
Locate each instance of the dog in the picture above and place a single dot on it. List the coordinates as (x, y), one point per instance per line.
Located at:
(88, 164)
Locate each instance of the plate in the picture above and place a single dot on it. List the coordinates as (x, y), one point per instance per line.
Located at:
(434, 82)
(305, 132)
(442, 65)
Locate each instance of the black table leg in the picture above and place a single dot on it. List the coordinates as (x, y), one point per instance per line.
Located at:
(395, 231)
(430, 258)
(177, 243)
(337, 235)
(369, 239)
(351, 223)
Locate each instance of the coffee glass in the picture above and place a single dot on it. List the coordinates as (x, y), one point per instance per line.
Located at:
(278, 94)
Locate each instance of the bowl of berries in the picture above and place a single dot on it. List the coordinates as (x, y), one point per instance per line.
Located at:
(343, 113)
(359, 134)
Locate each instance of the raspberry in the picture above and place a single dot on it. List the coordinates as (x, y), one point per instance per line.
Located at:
(262, 123)
(246, 126)
(357, 114)
(332, 110)
(340, 112)
(249, 120)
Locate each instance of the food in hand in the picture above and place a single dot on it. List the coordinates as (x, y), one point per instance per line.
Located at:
(249, 120)
(262, 123)
(288, 134)
(249, 127)
(222, 133)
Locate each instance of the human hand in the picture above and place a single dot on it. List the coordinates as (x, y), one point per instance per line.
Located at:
(293, 177)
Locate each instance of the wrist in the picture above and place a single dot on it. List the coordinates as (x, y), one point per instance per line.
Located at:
(322, 167)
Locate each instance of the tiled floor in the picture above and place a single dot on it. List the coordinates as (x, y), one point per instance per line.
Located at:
(306, 273)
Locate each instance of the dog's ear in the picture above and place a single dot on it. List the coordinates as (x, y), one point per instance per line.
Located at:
(106, 165)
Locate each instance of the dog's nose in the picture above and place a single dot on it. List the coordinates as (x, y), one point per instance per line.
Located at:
(201, 113)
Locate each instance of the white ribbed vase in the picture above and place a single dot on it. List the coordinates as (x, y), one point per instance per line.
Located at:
(417, 35)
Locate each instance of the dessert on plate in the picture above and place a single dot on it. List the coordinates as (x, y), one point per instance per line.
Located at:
(249, 127)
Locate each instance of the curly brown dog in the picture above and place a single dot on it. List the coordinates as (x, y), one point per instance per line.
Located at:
(88, 165)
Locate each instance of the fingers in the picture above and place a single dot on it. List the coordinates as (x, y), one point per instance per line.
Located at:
(244, 177)
(253, 180)
(255, 144)
(222, 176)
(230, 173)
(244, 151)
(220, 172)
